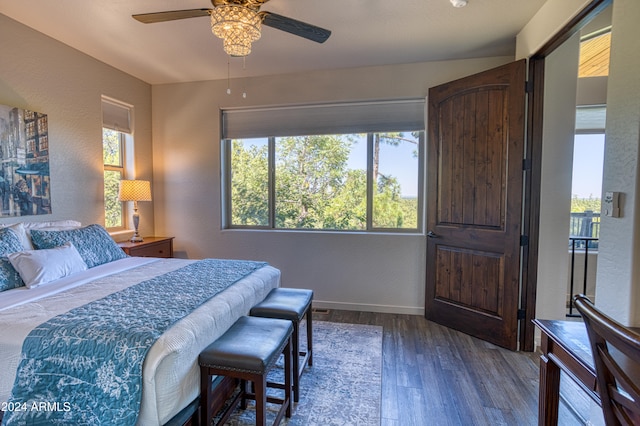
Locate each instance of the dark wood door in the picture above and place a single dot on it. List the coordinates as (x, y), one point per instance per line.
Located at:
(474, 199)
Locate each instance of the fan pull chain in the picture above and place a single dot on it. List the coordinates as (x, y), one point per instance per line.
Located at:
(244, 68)
(228, 77)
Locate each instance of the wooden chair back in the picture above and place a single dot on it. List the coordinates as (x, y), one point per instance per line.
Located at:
(616, 353)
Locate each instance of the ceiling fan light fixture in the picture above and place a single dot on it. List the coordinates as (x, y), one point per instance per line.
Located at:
(236, 45)
(237, 26)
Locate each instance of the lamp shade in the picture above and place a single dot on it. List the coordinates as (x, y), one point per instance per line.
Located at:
(134, 190)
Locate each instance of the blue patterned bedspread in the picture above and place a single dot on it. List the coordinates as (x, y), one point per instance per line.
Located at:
(89, 360)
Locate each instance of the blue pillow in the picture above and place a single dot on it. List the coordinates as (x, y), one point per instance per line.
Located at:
(9, 243)
(93, 242)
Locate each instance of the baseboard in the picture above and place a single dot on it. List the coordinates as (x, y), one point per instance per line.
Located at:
(362, 307)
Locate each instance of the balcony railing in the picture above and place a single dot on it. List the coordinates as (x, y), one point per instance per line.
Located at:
(584, 243)
(584, 236)
(585, 224)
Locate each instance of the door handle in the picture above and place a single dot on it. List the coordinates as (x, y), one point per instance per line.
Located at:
(432, 234)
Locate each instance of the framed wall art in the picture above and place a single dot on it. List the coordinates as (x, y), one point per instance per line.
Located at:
(24, 160)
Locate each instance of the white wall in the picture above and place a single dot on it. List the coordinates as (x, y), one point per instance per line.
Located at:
(561, 75)
(551, 18)
(44, 75)
(373, 272)
(618, 288)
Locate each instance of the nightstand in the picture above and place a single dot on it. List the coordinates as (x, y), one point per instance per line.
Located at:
(150, 247)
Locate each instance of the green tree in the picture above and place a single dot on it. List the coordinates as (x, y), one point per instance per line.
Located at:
(113, 206)
(309, 175)
(249, 184)
(111, 155)
(387, 206)
(580, 205)
(348, 210)
(314, 188)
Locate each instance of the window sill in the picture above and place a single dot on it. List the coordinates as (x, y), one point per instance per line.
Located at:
(405, 233)
(120, 236)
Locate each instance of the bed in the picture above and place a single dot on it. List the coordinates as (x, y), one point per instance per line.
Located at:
(169, 371)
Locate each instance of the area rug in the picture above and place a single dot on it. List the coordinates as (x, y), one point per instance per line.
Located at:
(343, 387)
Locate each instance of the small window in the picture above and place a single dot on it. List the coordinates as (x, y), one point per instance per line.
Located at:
(116, 144)
(113, 155)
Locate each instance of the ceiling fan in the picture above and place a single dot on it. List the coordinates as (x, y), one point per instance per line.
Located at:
(238, 23)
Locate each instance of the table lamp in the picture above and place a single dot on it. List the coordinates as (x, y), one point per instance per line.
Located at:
(135, 190)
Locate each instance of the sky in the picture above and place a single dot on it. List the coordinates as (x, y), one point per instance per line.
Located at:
(397, 161)
(400, 162)
(588, 159)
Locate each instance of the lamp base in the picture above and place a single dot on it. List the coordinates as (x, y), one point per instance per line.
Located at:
(136, 221)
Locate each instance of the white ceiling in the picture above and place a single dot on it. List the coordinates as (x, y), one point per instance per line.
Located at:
(364, 33)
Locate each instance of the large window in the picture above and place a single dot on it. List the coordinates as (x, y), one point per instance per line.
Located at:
(352, 181)
(116, 141)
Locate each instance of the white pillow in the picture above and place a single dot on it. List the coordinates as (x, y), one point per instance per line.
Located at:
(66, 223)
(25, 239)
(38, 267)
(54, 225)
(23, 229)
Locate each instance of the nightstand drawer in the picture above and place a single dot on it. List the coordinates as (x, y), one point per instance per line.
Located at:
(150, 247)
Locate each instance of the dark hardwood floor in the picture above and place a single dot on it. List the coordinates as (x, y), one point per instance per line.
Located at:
(432, 375)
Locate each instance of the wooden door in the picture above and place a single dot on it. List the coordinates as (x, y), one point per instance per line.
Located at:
(474, 199)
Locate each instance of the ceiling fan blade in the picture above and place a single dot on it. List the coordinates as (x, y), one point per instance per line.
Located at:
(172, 15)
(293, 26)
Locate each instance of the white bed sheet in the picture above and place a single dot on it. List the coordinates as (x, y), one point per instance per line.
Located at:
(171, 377)
(20, 295)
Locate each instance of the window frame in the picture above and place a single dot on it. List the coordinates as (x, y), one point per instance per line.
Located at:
(118, 116)
(121, 168)
(226, 153)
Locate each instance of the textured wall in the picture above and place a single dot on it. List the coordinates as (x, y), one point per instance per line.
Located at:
(42, 74)
(618, 286)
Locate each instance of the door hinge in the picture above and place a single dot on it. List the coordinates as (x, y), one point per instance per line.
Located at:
(524, 240)
(526, 164)
(528, 86)
(521, 314)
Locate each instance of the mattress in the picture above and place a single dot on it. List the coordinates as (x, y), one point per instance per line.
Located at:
(171, 377)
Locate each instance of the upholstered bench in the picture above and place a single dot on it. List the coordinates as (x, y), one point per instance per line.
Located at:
(292, 304)
(247, 351)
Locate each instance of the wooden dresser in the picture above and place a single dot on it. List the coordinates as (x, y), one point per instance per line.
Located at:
(150, 247)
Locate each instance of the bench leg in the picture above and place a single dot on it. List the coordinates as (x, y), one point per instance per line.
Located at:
(243, 391)
(261, 400)
(288, 375)
(310, 335)
(205, 418)
(205, 397)
(296, 361)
